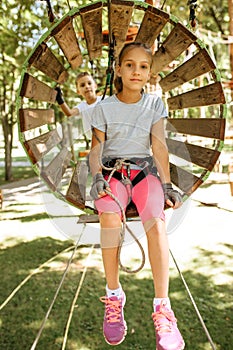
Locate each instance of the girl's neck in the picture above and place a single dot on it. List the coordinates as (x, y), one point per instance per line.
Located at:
(129, 97)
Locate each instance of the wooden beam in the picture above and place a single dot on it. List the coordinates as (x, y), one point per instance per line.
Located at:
(66, 38)
(91, 17)
(33, 118)
(153, 22)
(76, 193)
(39, 146)
(120, 17)
(202, 156)
(196, 66)
(44, 60)
(205, 96)
(179, 39)
(55, 170)
(37, 90)
(205, 127)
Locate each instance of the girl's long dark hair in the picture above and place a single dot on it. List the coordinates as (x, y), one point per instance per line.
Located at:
(126, 48)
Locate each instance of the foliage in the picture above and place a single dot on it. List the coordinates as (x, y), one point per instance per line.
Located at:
(23, 23)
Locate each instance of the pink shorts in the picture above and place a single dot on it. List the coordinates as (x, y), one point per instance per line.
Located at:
(147, 195)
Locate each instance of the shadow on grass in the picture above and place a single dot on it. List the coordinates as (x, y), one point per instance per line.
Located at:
(21, 318)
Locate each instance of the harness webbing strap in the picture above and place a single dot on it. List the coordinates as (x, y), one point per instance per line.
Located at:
(140, 176)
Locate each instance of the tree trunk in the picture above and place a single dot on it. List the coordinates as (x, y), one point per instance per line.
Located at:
(230, 9)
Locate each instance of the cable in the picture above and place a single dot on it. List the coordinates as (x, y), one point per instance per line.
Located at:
(56, 294)
(73, 305)
(194, 304)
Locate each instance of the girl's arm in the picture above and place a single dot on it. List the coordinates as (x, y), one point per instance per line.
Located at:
(99, 183)
(161, 158)
(160, 151)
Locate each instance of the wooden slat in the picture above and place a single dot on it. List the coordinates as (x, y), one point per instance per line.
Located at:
(204, 127)
(91, 17)
(41, 145)
(33, 118)
(37, 90)
(205, 96)
(153, 22)
(54, 171)
(120, 17)
(76, 193)
(199, 64)
(185, 181)
(44, 60)
(66, 38)
(179, 39)
(203, 157)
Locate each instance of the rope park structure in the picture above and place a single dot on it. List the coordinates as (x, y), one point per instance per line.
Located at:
(182, 71)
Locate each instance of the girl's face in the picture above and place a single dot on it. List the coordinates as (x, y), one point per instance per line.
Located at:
(135, 69)
(86, 87)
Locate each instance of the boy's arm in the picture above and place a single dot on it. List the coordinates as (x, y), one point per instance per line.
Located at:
(69, 112)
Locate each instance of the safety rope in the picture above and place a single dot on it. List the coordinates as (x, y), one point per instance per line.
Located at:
(34, 272)
(73, 305)
(118, 165)
(192, 12)
(194, 304)
(33, 347)
(50, 11)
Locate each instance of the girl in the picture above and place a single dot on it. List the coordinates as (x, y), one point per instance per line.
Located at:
(129, 125)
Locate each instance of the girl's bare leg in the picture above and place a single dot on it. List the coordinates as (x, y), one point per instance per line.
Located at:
(158, 251)
(110, 238)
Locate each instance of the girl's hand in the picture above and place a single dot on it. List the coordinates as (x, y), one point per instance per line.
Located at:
(172, 197)
(98, 186)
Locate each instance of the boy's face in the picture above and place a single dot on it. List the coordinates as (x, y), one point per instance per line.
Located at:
(86, 87)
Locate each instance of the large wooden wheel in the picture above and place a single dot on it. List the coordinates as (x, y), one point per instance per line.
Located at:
(182, 69)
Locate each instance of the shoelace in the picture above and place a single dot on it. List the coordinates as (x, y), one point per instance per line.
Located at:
(113, 309)
(162, 320)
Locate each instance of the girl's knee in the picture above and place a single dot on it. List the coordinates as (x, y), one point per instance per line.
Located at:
(110, 220)
(155, 224)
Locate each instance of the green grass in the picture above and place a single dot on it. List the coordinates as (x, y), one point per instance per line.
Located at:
(21, 318)
(18, 172)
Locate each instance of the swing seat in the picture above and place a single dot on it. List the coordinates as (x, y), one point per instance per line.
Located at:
(182, 72)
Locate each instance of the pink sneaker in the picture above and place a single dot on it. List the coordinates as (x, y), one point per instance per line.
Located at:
(114, 325)
(168, 336)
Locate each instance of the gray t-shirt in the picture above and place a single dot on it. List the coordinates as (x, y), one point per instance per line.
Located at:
(128, 126)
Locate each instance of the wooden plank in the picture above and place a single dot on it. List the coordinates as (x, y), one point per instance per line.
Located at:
(120, 17)
(199, 64)
(54, 171)
(65, 36)
(205, 96)
(91, 17)
(37, 90)
(44, 60)
(203, 157)
(153, 22)
(184, 180)
(41, 145)
(179, 39)
(76, 193)
(204, 127)
(33, 118)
